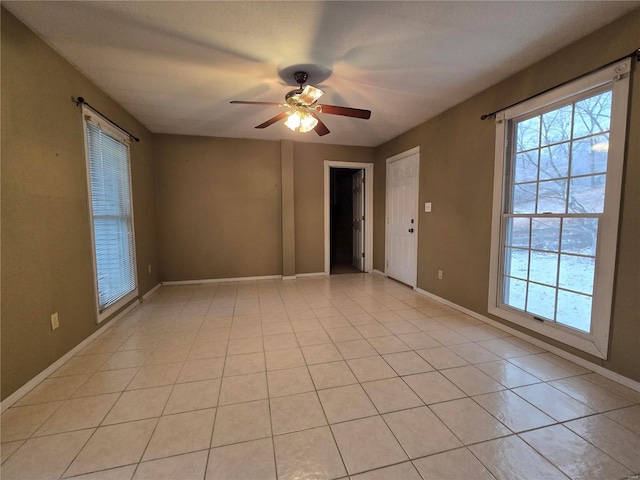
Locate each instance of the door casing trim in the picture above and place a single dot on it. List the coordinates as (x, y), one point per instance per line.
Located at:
(368, 211)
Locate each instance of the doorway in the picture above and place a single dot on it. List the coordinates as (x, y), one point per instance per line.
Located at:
(346, 221)
(401, 238)
(348, 232)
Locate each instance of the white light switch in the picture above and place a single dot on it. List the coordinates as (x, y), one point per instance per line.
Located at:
(427, 207)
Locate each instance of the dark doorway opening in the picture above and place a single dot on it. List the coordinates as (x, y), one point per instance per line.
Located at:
(342, 223)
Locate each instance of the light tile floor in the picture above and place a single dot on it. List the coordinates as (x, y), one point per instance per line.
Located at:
(350, 376)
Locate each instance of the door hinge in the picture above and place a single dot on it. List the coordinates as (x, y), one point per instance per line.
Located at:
(362, 254)
(362, 217)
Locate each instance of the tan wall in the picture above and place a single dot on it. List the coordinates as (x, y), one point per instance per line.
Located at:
(309, 197)
(219, 207)
(288, 210)
(456, 175)
(46, 243)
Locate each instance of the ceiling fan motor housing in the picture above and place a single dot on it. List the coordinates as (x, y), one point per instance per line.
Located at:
(292, 97)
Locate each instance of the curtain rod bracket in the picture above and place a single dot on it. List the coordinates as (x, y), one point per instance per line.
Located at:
(82, 101)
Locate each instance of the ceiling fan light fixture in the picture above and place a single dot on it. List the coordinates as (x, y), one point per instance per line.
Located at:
(307, 123)
(303, 106)
(310, 95)
(293, 121)
(301, 121)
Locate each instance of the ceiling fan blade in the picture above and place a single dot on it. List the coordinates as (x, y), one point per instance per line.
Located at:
(273, 120)
(321, 129)
(257, 103)
(345, 111)
(310, 94)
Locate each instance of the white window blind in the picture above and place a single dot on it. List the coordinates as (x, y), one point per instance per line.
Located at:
(111, 214)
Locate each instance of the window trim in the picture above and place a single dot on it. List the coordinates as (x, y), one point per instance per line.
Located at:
(597, 342)
(88, 115)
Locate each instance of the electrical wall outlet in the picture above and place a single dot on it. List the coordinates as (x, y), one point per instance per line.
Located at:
(439, 274)
(55, 323)
(427, 207)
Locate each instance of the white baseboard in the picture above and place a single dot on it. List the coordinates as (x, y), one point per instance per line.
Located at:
(221, 280)
(150, 292)
(378, 272)
(599, 369)
(243, 279)
(31, 384)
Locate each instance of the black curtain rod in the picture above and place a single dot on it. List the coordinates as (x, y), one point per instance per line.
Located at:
(635, 53)
(81, 101)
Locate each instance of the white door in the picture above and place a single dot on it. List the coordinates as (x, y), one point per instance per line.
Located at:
(402, 220)
(358, 219)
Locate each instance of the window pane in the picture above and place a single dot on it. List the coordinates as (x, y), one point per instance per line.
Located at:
(528, 134)
(515, 293)
(556, 126)
(554, 162)
(589, 155)
(552, 196)
(579, 235)
(545, 234)
(574, 310)
(516, 262)
(586, 194)
(526, 167)
(543, 268)
(517, 232)
(524, 198)
(592, 115)
(541, 301)
(576, 273)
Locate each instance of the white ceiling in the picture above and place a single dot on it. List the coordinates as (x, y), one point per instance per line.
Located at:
(175, 65)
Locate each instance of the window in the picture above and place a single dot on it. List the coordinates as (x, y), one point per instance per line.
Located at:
(109, 179)
(558, 176)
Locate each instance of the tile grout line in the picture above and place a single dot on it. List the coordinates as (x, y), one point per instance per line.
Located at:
(215, 417)
(155, 427)
(95, 428)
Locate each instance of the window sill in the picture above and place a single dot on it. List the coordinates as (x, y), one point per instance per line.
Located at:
(586, 343)
(116, 306)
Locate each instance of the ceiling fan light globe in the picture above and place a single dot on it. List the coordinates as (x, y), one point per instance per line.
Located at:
(310, 94)
(307, 123)
(301, 121)
(293, 121)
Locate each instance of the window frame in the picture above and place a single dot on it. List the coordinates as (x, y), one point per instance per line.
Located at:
(597, 341)
(88, 115)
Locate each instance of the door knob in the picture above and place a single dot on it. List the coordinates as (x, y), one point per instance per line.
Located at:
(411, 230)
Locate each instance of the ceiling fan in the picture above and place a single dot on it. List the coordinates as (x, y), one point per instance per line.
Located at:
(303, 109)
